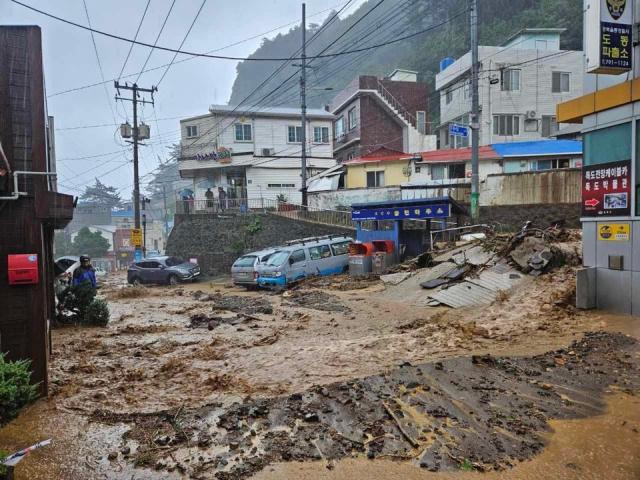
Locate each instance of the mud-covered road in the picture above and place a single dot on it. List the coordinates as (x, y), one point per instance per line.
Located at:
(211, 381)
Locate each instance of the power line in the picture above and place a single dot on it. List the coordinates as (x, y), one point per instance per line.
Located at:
(159, 67)
(181, 43)
(225, 57)
(166, 18)
(144, 14)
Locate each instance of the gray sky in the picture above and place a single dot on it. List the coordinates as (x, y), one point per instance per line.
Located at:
(188, 88)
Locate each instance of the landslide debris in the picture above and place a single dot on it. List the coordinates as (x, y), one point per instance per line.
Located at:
(483, 411)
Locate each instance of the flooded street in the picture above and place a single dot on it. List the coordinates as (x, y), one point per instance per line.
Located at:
(352, 377)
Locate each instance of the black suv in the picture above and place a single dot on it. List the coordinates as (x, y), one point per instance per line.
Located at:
(169, 270)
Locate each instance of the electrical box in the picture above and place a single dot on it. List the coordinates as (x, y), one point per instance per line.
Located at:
(23, 269)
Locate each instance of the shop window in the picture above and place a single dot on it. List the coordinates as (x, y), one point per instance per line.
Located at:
(606, 145)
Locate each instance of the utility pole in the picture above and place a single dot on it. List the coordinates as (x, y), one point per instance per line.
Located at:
(136, 137)
(303, 99)
(475, 112)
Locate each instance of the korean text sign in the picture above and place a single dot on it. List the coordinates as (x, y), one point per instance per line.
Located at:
(606, 189)
(609, 39)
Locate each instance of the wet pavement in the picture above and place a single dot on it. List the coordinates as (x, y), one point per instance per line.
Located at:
(210, 381)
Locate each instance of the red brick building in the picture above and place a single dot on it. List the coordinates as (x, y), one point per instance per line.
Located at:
(372, 113)
(29, 216)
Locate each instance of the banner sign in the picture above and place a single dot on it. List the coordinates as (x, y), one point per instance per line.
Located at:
(606, 189)
(614, 232)
(403, 213)
(222, 155)
(609, 37)
(136, 237)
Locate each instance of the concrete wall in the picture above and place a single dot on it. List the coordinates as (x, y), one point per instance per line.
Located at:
(513, 217)
(217, 241)
(551, 186)
(336, 199)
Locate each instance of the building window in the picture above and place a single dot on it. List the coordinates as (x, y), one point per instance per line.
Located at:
(351, 156)
(437, 172)
(192, 131)
(375, 179)
(510, 80)
(281, 185)
(553, 164)
(456, 170)
(560, 82)
(612, 144)
(295, 134)
(353, 120)
(506, 125)
(456, 141)
(421, 120)
(549, 126)
(449, 96)
(320, 134)
(339, 127)
(467, 90)
(243, 132)
(418, 169)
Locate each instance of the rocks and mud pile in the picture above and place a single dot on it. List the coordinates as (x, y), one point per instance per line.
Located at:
(481, 411)
(315, 300)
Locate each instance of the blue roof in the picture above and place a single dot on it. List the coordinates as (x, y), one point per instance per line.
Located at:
(538, 148)
(416, 202)
(122, 213)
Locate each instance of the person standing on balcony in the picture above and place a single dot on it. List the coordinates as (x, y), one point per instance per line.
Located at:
(209, 196)
(222, 198)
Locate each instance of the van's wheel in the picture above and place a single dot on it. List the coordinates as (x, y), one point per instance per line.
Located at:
(173, 280)
(135, 281)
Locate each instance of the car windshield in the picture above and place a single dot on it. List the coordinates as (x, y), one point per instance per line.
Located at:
(173, 261)
(278, 259)
(246, 261)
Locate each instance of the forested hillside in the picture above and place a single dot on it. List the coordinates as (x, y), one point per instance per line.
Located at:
(445, 23)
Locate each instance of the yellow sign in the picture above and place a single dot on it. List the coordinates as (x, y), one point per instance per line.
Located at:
(136, 237)
(614, 232)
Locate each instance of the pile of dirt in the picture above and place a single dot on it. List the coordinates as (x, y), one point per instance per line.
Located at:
(316, 300)
(341, 282)
(482, 411)
(236, 303)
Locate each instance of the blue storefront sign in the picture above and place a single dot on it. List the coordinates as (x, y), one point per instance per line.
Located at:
(137, 255)
(458, 130)
(441, 210)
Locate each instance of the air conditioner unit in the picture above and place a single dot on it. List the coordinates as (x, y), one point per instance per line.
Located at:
(267, 152)
(530, 115)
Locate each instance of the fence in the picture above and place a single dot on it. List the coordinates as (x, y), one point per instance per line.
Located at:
(264, 205)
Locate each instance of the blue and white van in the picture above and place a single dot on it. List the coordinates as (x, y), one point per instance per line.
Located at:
(304, 258)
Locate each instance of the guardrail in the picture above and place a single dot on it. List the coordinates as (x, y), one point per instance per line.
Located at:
(264, 205)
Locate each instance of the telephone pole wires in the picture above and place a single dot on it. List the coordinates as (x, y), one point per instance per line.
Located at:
(137, 133)
(475, 112)
(303, 107)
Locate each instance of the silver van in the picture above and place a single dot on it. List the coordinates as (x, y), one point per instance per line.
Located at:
(244, 269)
(303, 258)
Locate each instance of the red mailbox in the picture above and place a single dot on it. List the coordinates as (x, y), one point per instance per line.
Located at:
(23, 269)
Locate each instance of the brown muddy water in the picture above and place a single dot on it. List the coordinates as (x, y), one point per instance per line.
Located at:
(190, 365)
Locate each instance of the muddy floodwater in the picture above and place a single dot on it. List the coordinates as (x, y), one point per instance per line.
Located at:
(338, 379)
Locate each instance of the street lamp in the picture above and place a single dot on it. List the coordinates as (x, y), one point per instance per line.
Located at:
(144, 235)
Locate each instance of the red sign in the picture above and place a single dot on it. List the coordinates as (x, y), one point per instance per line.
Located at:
(606, 189)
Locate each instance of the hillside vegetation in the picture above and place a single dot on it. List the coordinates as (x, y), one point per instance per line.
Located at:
(387, 20)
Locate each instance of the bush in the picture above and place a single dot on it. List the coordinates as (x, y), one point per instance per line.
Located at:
(97, 313)
(15, 387)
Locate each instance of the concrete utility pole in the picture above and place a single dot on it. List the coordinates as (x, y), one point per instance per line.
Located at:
(475, 112)
(136, 137)
(303, 107)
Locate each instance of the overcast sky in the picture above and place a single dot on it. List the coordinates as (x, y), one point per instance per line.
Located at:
(187, 89)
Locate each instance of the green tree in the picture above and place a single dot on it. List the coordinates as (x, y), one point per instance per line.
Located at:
(90, 243)
(101, 195)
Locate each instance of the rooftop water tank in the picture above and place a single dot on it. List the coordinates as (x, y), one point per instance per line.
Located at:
(446, 62)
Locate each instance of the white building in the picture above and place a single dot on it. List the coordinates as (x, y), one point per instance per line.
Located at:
(520, 83)
(254, 154)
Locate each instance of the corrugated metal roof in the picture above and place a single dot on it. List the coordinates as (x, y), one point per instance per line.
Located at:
(464, 294)
(495, 281)
(381, 154)
(453, 155)
(538, 148)
(269, 111)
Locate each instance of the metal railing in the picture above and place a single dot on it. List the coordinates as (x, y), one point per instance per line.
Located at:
(293, 211)
(395, 103)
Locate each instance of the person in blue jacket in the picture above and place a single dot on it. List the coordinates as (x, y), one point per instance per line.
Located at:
(84, 273)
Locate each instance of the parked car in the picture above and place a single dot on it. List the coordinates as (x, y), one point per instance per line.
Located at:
(308, 257)
(244, 270)
(170, 270)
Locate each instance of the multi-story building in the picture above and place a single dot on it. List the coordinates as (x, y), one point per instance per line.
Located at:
(373, 113)
(520, 83)
(255, 153)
